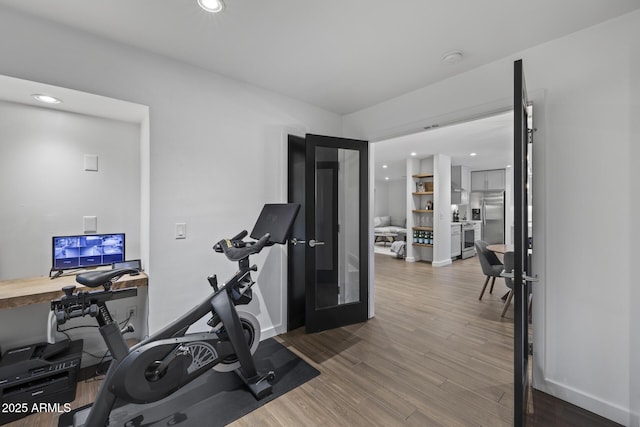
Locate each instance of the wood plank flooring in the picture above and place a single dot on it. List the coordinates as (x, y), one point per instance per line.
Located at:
(433, 356)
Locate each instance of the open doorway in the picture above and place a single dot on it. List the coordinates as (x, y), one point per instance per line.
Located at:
(443, 187)
(447, 170)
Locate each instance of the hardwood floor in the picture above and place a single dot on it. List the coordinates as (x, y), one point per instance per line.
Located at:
(433, 356)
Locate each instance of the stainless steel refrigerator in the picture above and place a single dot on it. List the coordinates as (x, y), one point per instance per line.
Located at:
(491, 206)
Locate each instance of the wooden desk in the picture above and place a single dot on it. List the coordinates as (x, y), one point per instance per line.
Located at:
(36, 290)
(500, 249)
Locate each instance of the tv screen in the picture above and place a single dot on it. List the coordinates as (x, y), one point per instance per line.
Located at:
(87, 250)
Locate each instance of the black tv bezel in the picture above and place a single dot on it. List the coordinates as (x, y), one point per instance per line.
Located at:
(83, 267)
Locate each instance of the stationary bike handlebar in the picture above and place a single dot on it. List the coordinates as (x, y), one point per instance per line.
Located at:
(237, 249)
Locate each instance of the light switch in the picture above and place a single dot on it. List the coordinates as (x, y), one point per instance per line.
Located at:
(181, 230)
(91, 162)
(90, 224)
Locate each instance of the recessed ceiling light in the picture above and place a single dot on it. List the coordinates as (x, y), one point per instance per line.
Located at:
(46, 98)
(213, 6)
(386, 178)
(473, 154)
(414, 154)
(452, 57)
(508, 166)
(384, 166)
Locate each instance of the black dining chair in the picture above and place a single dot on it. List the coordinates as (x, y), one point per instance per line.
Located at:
(491, 265)
(508, 268)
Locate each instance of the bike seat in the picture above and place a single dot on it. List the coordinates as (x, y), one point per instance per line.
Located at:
(236, 252)
(100, 278)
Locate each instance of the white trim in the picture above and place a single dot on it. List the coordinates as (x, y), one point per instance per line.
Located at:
(441, 263)
(610, 410)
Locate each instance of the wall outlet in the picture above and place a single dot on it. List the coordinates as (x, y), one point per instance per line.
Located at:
(90, 224)
(132, 312)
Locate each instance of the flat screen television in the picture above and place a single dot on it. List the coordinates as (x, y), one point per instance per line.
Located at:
(86, 251)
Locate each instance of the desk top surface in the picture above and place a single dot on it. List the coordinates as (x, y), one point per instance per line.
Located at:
(36, 290)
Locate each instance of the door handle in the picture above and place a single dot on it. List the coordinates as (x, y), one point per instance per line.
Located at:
(507, 274)
(510, 275)
(295, 241)
(313, 243)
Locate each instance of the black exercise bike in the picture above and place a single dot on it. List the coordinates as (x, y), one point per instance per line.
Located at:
(171, 358)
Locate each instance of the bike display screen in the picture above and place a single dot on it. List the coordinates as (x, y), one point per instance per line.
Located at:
(275, 219)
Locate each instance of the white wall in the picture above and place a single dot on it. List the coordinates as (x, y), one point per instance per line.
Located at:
(397, 200)
(217, 153)
(391, 199)
(45, 191)
(585, 90)
(381, 199)
(442, 210)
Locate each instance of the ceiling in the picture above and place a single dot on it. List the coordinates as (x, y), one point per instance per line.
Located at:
(490, 138)
(340, 55)
(344, 56)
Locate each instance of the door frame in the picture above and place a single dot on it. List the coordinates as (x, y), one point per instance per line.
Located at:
(365, 226)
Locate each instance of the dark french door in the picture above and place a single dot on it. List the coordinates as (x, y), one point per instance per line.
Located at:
(522, 243)
(328, 252)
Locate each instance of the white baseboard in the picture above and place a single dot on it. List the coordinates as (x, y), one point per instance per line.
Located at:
(591, 403)
(441, 263)
(269, 333)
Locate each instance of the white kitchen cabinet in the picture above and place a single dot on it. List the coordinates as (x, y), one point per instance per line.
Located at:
(488, 180)
(477, 231)
(456, 241)
(495, 179)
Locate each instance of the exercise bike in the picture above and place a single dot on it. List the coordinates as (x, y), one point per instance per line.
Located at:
(171, 358)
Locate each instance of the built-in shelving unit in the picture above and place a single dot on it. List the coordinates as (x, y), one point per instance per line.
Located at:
(423, 197)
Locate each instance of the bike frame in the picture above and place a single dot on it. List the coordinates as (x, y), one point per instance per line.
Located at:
(220, 304)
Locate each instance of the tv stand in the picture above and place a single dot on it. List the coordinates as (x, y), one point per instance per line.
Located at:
(56, 275)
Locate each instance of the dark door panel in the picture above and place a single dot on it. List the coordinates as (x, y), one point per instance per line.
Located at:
(333, 239)
(521, 287)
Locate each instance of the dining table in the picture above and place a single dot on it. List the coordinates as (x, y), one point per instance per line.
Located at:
(500, 248)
